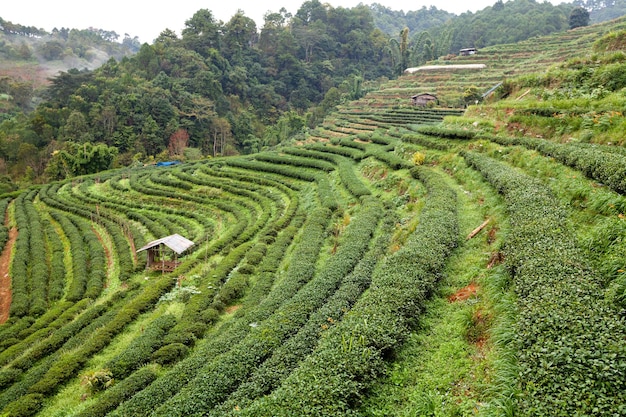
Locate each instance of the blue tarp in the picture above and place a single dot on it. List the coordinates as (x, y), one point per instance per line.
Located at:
(167, 163)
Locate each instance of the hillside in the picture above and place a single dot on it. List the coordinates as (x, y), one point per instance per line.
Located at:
(30, 57)
(396, 261)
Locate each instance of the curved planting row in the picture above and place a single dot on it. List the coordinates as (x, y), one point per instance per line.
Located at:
(571, 356)
(597, 163)
(331, 379)
(299, 272)
(27, 379)
(224, 373)
(290, 267)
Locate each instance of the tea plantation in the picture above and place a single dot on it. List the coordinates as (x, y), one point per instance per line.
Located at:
(401, 261)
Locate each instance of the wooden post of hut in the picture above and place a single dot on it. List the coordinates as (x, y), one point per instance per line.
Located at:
(156, 259)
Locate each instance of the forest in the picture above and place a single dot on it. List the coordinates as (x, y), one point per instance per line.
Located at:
(222, 88)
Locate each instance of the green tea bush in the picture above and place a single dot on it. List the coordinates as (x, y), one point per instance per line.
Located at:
(27, 405)
(448, 133)
(119, 392)
(57, 264)
(8, 376)
(571, 357)
(348, 152)
(140, 349)
(348, 358)
(425, 141)
(12, 328)
(170, 353)
(77, 286)
(597, 163)
(350, 143)
(326, 193)
(20, 297)
(38, 268)
(286, 170)
(4, 231)
(390, 159)
(61, 336)
(350, 180)
(222, 375)
(19, 389)
(56, 317)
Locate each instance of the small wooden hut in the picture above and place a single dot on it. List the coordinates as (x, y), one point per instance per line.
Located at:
(161, 259)
(423, 99)
(467, 51)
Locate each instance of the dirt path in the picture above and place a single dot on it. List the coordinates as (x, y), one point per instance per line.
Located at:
(5, 279)
(464, 293)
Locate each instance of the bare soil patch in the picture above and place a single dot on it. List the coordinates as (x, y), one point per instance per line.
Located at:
(232, 309)
(464, 293)
(5, 278)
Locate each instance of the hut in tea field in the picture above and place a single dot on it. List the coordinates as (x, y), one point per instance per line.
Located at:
(163, 253)
(422, 100)
(468, 51)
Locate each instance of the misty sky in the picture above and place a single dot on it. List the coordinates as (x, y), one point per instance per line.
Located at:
(147, 19)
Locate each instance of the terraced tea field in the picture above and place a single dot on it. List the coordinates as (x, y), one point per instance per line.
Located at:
(324, 276)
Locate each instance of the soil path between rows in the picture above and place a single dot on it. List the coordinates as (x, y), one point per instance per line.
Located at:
(5, 278)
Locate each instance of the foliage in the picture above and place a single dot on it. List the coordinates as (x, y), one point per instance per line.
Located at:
(141, 349)
(392, 21)
(561, 307)
(119, 392)
(79, 159)
(97, 381)
(505, 22)
(579, 17)
(612, 41)
(178, 143)
(600, 164)
(418, 158)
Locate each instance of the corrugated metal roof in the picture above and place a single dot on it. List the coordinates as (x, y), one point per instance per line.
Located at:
(175, 242)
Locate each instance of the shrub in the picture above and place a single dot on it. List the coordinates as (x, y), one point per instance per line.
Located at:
(97, 381)
(570, 352)
(170, 353)
(418, 158)
(119, 392)
(140, 349)
(26, 406)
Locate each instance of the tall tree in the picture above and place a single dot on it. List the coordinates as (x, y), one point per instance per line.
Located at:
(178, 143)
(578, 18)
(240, 35)
(202, 32)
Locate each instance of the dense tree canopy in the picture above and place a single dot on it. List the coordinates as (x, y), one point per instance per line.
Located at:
(578, 18)
(506, 22)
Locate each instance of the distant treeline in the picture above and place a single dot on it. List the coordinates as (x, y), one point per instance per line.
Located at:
(10, 28)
